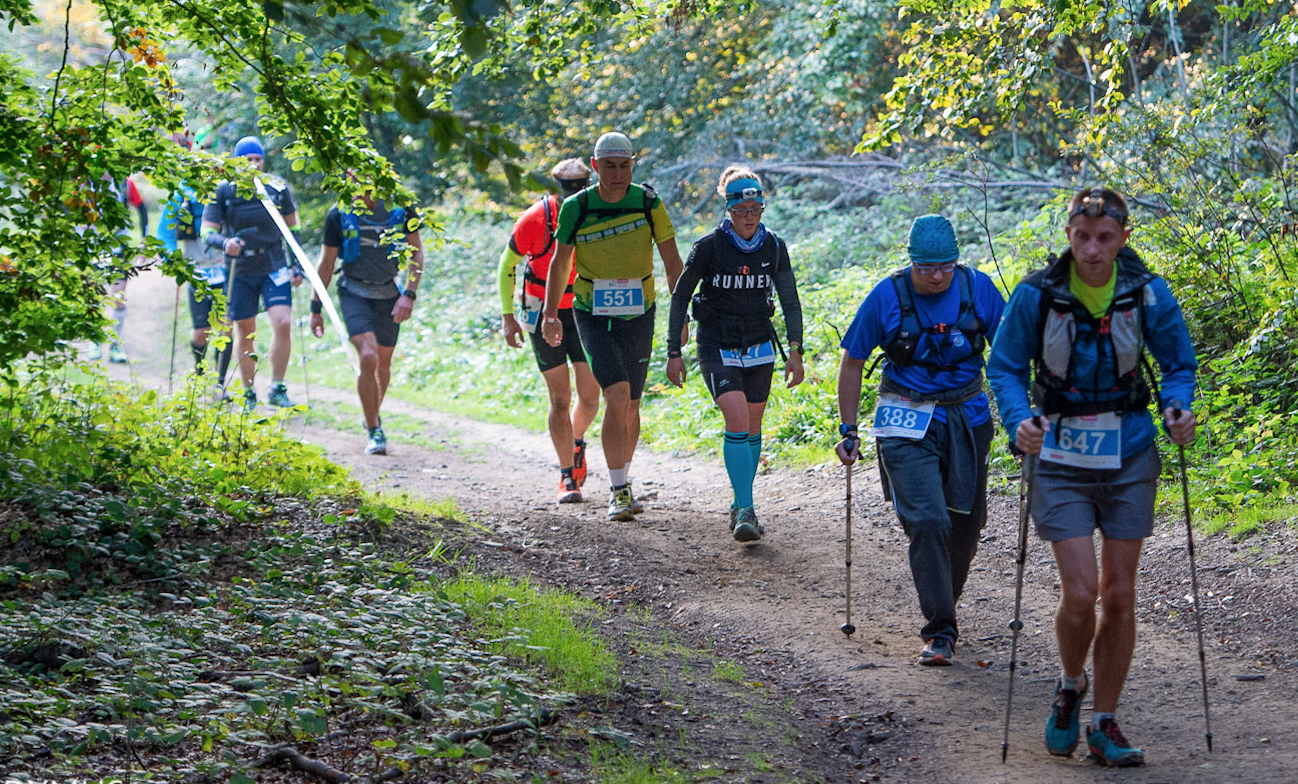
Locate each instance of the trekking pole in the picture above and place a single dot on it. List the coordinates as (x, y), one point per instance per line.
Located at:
(1021, 559)
(1194, 584)
(175, 317)
(848, 628)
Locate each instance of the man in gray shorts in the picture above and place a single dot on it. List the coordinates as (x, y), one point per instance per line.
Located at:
(1077, 329)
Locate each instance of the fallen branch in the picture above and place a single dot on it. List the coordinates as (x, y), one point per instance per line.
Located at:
(304, 764)
(544, 719)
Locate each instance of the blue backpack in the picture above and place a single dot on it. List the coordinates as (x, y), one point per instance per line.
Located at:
(351, 250)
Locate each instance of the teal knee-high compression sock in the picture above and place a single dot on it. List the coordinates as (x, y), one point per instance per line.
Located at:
(739, 465)
(755, 448)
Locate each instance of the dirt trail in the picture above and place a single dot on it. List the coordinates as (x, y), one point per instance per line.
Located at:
(868, 713)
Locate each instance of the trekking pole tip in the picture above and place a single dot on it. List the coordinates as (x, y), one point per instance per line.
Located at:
(1005, 751)
(1208, 737)
(849, 630)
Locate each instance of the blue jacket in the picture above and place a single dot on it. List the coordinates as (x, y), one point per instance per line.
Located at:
(1162, 325)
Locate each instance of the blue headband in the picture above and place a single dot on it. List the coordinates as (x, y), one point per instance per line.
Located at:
(248, 145)
(742, 190)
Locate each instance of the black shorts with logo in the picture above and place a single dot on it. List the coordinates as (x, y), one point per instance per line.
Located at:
(618, 349)
(547, 356)
(754, 382)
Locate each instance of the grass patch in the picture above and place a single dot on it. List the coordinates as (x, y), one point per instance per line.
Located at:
(1250, 520)
(730, 671)
(614, 766)
(539, 626)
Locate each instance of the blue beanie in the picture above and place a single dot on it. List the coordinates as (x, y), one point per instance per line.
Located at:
(932, 241)
(249, 145)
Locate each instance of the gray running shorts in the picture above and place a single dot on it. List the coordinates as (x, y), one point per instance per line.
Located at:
(1069, 502)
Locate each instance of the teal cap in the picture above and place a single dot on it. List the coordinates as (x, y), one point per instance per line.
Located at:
(932, 241)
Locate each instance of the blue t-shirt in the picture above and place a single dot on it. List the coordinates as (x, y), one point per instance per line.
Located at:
(879, 318)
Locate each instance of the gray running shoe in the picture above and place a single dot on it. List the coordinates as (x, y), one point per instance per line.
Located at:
(734, 514)
(95, 353)
(937, 652)
(117, 354)
(619, 504)
(747, 529)
(378, 443)
(250, 399)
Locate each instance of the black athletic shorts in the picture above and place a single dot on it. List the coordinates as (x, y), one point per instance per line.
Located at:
(363, 315)
(569, 350)
(754, 382)
(617, 349)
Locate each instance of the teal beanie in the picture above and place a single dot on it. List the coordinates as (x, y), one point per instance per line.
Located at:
(932, 240)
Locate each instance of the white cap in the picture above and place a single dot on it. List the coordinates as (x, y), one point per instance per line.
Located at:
(613, 145)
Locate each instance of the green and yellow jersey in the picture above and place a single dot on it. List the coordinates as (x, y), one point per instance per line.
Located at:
(613, 241)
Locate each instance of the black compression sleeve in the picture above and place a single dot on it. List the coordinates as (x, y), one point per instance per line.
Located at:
(685, 286)
(787, 289)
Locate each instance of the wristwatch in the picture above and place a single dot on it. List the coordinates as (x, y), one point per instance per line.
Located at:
(845, 429)
(408, 293)
(798, 348)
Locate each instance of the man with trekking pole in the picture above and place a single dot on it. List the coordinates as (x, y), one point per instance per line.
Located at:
(933, 424)
(1076, 332)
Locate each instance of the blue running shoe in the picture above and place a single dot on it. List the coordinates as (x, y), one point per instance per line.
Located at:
(1111, 748)
(1063, 728)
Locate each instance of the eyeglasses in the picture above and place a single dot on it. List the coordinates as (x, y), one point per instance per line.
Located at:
(745, 212)
(929, 269)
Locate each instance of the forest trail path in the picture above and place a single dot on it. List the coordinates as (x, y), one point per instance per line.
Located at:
(866, 711)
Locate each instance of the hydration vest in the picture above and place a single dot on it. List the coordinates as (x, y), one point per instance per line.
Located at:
(533, 279)
(189, 219)
(583, 202)
(351, 250)
(1065, 323)
(901, 347)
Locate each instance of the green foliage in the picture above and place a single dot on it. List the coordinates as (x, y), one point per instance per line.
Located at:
(551, 628)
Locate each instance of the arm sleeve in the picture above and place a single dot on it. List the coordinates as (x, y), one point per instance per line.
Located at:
(214, 211)
(505, 277)
(1009, 368)
(787, 290)
(681, 295)
(287, 205)
(1169, 342)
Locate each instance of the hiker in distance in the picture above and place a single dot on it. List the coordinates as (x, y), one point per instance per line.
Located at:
(740, 268)
(369, 238)
(533, 242)
(1072, 342)
(258, 272)
(932, 423)
(613, 227)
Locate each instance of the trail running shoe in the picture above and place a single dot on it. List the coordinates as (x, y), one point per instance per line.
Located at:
(1063, 728)
(279, 396)
(734, 515)
(117, 354)
(579, 464)
(95, 353)
(619, 504)
(937, 652)
(1110, 747)
(378, 443)
(569, 490)
(249, 399)
(747, 529)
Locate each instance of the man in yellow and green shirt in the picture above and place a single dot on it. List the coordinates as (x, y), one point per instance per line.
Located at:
(613, 227)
